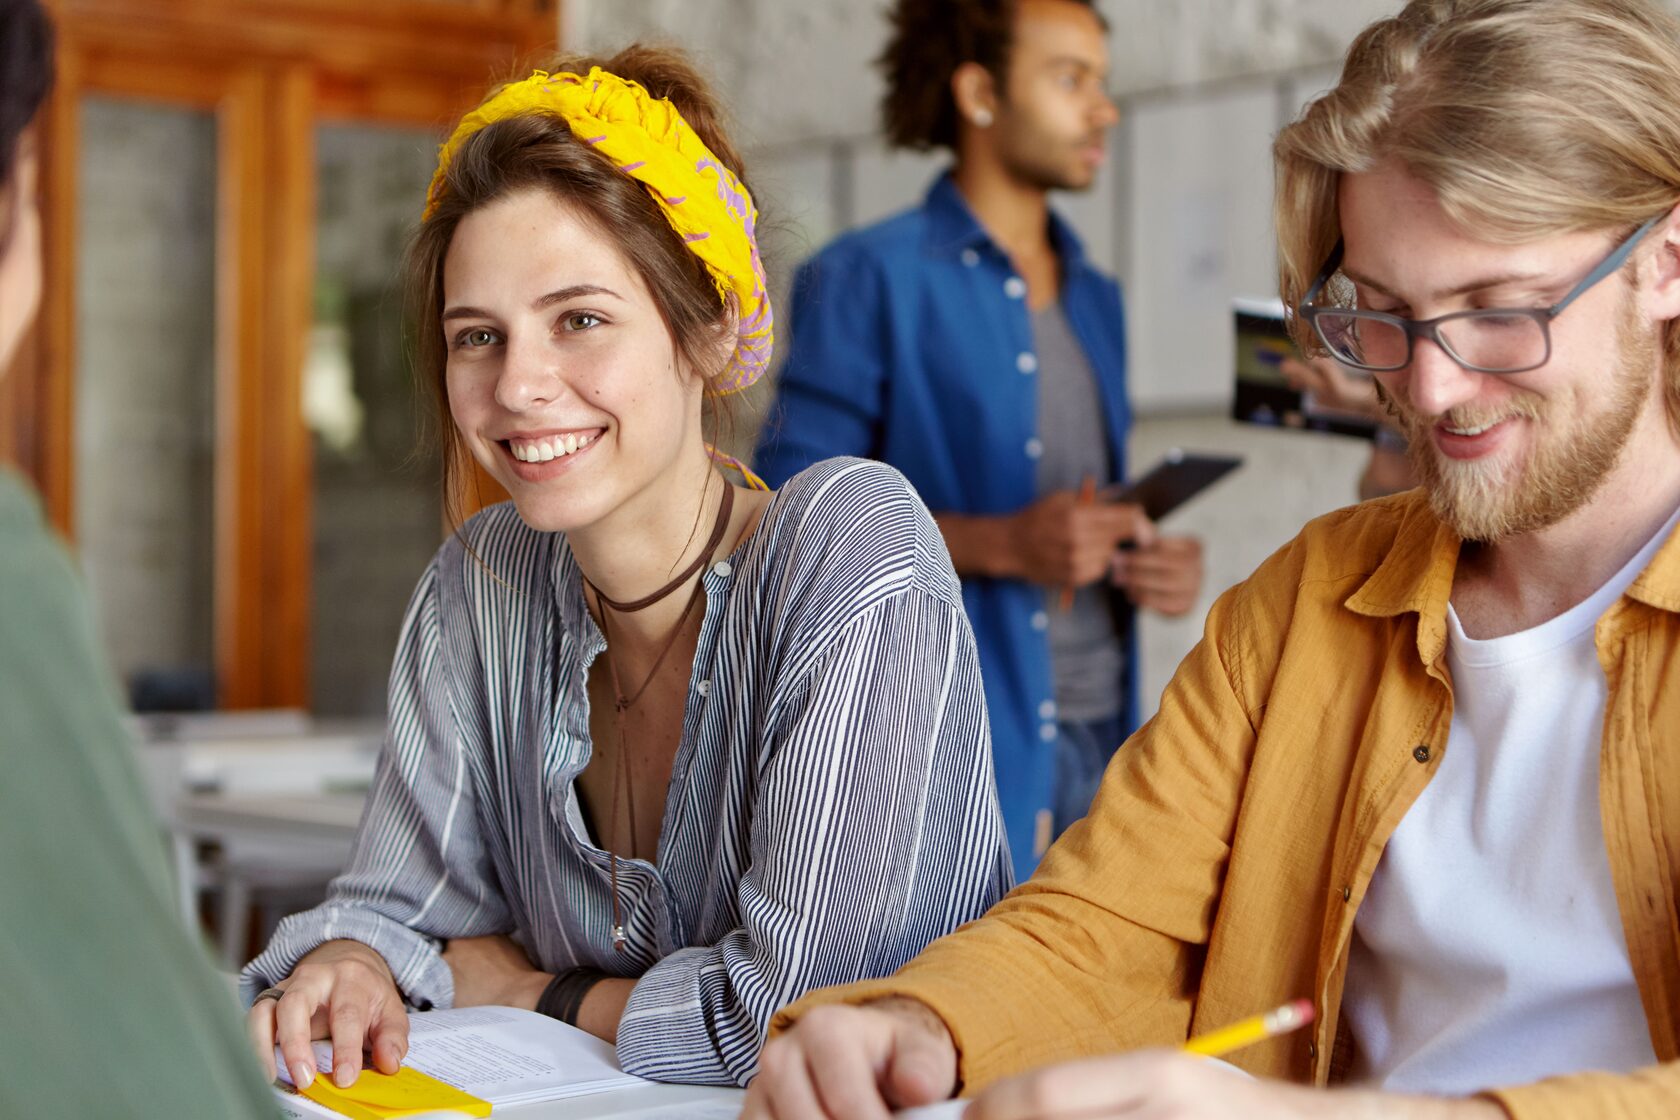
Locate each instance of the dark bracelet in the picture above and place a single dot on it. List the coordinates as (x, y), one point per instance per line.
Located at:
(564, 994)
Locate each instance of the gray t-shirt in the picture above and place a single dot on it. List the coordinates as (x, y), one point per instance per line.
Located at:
(1086, 656)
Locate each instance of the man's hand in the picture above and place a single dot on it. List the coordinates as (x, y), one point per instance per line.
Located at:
(1165, 577)
(493, 970)
(1063, 542)
(1058, 541)
(855, 1063)
(1169, 1083)
(1334, 387)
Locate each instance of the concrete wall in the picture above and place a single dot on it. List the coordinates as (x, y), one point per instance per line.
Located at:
(798, 71)
(1181, 214)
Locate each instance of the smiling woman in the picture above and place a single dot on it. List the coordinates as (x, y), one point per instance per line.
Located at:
(665, 752)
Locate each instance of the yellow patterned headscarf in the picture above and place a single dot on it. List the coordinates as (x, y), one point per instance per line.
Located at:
(648, 139)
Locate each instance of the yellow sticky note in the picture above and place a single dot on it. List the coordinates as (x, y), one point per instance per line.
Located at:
(408, 1092)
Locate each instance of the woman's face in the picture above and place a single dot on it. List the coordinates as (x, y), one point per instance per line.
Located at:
(20, 252)
(563, 378)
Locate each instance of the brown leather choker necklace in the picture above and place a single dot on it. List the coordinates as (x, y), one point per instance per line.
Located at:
(622, 703)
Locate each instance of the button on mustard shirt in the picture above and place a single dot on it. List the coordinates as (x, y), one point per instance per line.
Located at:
(1234, 836)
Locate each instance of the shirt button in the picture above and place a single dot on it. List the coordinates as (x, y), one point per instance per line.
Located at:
(1347, 894)
(1047, 732)
(1026, 362)
(1421, 752)
(1014, 287)
(1040, 620)
(723, 568)
(1047, 710)
(704, 688)
(970, 257)
(1312, 1050)
(1035, 448)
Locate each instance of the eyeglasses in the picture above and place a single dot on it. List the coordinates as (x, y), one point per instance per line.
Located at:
(1486, 340)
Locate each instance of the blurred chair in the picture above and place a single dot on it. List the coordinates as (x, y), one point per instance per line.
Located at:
(263, 781)
(175, 689)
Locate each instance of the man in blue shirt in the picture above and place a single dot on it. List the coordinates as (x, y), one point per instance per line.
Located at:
(969, 343)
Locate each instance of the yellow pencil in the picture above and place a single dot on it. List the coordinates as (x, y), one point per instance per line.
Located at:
(1289, 1017)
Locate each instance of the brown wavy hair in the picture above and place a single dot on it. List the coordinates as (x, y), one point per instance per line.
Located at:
(538, 150)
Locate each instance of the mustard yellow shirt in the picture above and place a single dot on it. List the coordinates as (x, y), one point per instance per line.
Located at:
(1234, 836)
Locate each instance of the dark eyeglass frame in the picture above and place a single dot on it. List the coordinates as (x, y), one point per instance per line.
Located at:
(1431, 328)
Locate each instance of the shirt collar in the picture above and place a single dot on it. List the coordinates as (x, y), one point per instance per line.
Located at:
(952, 226)
(1659, 584)
(567, 582)
(1416, 575)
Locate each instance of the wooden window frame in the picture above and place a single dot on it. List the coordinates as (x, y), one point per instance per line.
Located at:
(271, 71)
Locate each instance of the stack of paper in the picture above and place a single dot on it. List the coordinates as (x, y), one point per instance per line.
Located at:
(499, 1054)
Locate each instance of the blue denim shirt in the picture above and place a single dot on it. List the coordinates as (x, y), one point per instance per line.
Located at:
(911, 345)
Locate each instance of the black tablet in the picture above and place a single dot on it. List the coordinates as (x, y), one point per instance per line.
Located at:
(1173, 481)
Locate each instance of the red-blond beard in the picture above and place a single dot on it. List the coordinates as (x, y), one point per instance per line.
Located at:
(1491, 501)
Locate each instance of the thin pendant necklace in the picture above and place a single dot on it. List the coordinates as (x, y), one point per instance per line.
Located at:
(623, 702)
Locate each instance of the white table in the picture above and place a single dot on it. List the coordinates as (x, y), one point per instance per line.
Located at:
(329, 818)
(284, 842)
(684, 1102)
(664, 1102)
(263, 783)
(341, 758)
(314, 828)
(695, 1101)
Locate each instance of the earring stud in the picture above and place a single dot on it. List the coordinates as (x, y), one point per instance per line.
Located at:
(983, 118)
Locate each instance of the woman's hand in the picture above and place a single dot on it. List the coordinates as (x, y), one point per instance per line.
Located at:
(343, 991)
(493, 970)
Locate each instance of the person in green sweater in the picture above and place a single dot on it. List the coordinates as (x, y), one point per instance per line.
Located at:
(109, 1008)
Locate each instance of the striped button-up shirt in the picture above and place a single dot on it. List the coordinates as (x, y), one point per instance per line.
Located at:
(831, 810)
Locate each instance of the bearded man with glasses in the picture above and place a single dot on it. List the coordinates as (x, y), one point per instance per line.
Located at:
(1424, 768)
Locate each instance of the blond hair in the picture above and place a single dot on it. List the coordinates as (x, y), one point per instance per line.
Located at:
(1529, 118)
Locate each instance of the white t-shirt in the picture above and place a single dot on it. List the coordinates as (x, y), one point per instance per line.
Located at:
(1489, 948)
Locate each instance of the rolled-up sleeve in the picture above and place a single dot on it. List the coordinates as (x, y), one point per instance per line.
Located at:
(877, 830)
(418, 871)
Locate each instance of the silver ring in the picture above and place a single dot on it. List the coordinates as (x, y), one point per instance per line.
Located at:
(268, 993)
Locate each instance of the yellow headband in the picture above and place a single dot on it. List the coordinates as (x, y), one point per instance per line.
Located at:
(649, 141)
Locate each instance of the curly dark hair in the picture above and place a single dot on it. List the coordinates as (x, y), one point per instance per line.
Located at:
(930, 39)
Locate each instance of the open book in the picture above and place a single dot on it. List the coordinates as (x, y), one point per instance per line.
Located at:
(499, 1054)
